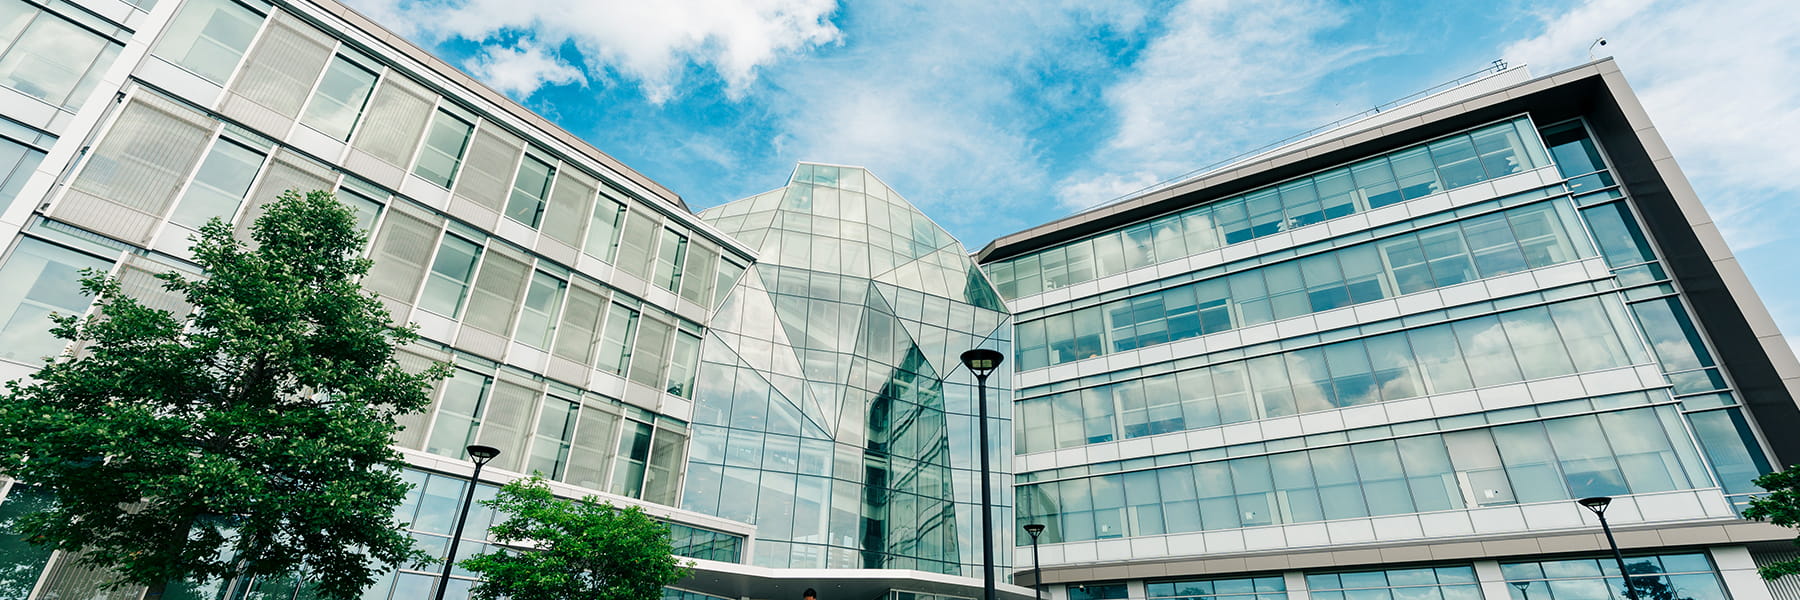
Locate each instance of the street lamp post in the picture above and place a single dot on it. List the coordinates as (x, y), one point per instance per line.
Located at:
(982, 362)
(1524, 588)
(1598, 504)
(1037, 568)
(481, 455)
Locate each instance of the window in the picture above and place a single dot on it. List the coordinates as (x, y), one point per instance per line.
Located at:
(23, 557)
(634, 244)
(459, 413)
(697, 282)
(543, 303)
(443, 151)
(615, 340)
(452, 270)
(683, 364)
(39, 279)
(1494, 151)
(555, 430)
(17, 161)
(650, 353)
(219, 187)
(633, 456)
(530, 189)
(208, 37)
(1448, 583)
(669, 258)
(1260, 588)
(728, 276)
(1685, 576)
(340, 98)
(49, 58)
(603, 231)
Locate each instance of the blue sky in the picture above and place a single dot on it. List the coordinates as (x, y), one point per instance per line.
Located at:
(995, 116)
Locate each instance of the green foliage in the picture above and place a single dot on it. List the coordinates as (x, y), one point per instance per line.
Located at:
(248, 437)
(1780, 506)
(582, 549)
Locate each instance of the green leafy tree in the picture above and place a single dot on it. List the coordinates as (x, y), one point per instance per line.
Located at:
(579, 549)
(1780, 506)
(249, 437)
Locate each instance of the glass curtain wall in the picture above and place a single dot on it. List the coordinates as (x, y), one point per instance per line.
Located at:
(830, 408)
(1490, 245)
(1607, 453)
(1464, 159)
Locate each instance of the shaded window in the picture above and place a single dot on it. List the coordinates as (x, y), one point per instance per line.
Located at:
(452, 270)
(443, 150)
(531, 188)
(219, 187)
(39, 279)
(49, 58)
(339, 100)
(209, 37)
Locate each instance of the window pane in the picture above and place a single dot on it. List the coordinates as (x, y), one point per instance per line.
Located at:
(443, 150)
(670, 256)
(219, 187)
(530, 189)
(555, 430)
(543, 304)
(38, 280)
(451, 272)
(209, 37)
(340, 98)
(459, 413)
(53, 59)
(603, 229)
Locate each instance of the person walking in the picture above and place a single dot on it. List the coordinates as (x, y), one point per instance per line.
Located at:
(809, 594)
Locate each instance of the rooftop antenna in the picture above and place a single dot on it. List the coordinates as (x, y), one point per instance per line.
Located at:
(1597, 43)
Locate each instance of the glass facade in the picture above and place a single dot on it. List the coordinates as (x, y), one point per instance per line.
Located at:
(1556, 339)
(1491, 245)
(1686, 576)
(1449, 163)
(811, 386)
(1422, 583)
(1522, 456)
(831, 409)
(1241, 588)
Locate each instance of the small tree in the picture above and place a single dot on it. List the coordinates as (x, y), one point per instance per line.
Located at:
(580, 549)
(249, 437)
(1780, 506)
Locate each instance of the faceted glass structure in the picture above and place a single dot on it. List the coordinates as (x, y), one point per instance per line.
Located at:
(831, 409)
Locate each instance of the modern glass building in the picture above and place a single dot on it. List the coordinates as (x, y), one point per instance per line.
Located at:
(832, 393)
(1380, 361)
(1383, 361)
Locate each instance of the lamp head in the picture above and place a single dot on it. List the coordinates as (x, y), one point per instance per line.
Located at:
(482, 454)
(982, 361)
(1597, 504)
(1035, 529)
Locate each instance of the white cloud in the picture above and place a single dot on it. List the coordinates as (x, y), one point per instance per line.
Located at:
(1222, 77)
(520, 70)
(651, 43)
(941, 99)
(1718, 80)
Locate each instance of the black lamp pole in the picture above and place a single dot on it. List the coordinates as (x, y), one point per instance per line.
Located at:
(1524, 588)
(481, 455)
(982, 362)
(1598, 504)
(1037, 568)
